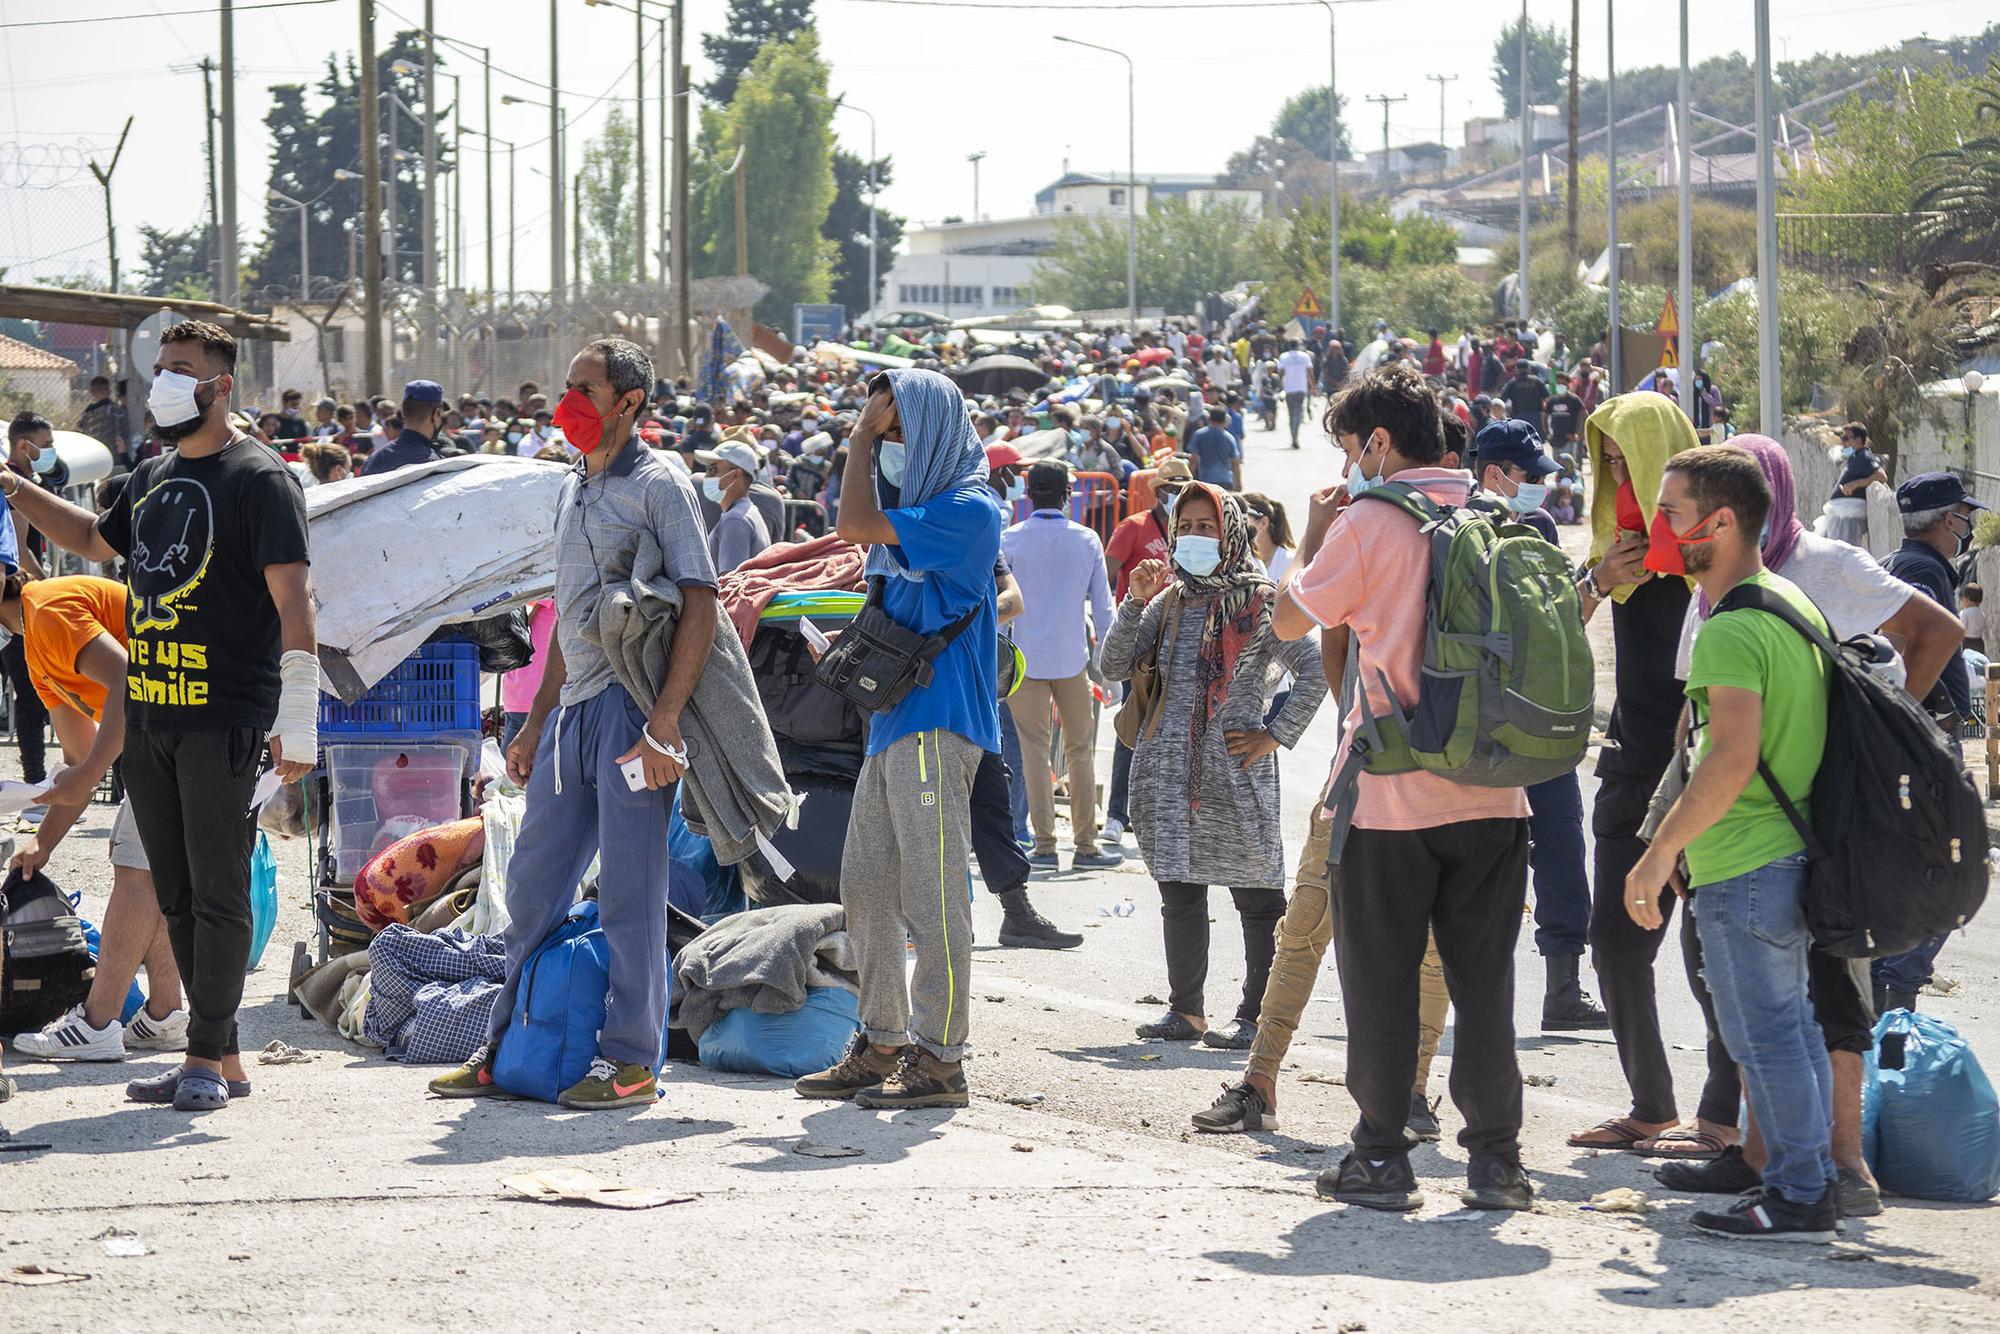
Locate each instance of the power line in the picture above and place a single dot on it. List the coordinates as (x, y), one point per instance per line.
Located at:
(159, 14)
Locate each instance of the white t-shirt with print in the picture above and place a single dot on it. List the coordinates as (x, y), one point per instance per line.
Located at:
(1849, 587)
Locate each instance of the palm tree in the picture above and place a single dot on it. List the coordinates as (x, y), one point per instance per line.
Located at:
(1959, 193)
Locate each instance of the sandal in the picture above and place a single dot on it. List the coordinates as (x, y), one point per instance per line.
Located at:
(1686, 1144)
(1620, 1132)
(200, 1090)
(1172, 1027)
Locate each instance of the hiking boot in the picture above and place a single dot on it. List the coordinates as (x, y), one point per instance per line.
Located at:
(474, 1079)
(72, 1038)
(1566, 1006)
(1239, 1108)
(1388, 1184)
(1496, 1182)
(610, 1084)
(1422, 1120)
(1765, 1215)
(146, 1033)
(1025, 928)
(862, 1068)
(1725, 1174)
(1857, 1196)
(922, 1080)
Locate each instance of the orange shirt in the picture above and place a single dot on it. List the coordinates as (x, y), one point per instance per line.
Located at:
(60, 616)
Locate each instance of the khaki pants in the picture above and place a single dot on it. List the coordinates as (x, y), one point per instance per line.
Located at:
(1030, 705)
(1304, 932)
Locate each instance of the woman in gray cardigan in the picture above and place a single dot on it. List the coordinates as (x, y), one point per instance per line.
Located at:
(1205, 771)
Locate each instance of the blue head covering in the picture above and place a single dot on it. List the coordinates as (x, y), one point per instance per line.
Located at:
(942, 451)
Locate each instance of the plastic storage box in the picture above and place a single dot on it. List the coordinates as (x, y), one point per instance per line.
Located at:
(385, 792)
(435, 690)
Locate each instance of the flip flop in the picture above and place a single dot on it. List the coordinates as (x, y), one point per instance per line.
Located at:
(1686, 1144)
(200, 1091)
(1620, 1133)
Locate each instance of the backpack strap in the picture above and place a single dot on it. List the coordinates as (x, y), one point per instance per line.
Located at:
(1750, 597)
(1409, 499)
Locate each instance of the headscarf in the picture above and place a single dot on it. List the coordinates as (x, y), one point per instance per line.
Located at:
(1239, 613)
(1650, 430)
(1782, 528)
(941, 453)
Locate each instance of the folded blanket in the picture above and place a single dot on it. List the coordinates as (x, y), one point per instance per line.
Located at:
(824, 564)
(763, 960)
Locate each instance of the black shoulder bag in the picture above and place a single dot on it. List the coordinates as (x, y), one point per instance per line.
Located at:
(875, 661)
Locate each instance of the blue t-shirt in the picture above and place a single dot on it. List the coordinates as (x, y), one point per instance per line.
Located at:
(955, 540)
(1213, 449)
(10, 546)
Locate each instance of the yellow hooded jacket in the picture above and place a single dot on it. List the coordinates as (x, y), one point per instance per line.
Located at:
(1649, 429)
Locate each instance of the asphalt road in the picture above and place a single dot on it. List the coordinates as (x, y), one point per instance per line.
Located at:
(341, 1197)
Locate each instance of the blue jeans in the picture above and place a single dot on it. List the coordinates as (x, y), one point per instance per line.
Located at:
(1753, 943)
(1911, 971)
(1562, 887)
(1017, 789)
(1119, 805)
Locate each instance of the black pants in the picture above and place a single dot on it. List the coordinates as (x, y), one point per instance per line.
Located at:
(31, 716)
(1623, 952)
(1002, 864)
(190, 798)
(1466, 882)
(1184, 920)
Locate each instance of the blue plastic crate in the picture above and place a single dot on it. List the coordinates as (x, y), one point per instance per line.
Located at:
(434, 690)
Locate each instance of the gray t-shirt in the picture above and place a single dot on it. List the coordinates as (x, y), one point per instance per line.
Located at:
(600, 522)
(1849, 587)
(739, 534)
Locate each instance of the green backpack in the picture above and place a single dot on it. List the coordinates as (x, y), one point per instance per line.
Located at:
(1508, 686)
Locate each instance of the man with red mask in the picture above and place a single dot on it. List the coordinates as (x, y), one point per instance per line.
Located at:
(581, 804)
(1635, 565)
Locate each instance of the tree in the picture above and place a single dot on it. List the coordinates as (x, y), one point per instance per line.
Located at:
(611, 226)
(1302, 120)
(1403, 270)
(1548, 64)
(1962, 182)
(751, 24)
(174, 263)
(1184, 254)
(1291, 158)
(782, 120)
(1869, 161)
(847, 227)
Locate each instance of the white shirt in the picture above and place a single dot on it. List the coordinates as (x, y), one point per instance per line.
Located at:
(1850, 588)
(1296, 366)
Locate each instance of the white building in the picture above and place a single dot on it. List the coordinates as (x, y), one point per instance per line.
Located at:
(984, 267)
(44, 378)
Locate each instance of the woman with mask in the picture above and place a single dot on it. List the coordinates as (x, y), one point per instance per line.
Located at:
(1205, 774)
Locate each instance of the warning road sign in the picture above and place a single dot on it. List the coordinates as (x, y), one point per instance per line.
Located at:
(1670, 320)
(1670, 356)
(1308, 304)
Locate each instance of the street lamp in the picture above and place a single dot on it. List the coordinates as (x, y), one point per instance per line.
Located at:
(637, 10)
(559, 166)
(508, 144)
(1333, 169)
(305, 255)
(1131, 172)
(874, 292)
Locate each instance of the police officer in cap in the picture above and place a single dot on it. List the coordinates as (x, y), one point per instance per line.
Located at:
(1937, 532)
(423, 415)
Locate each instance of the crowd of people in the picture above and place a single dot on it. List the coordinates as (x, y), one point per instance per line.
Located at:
(1212, 625)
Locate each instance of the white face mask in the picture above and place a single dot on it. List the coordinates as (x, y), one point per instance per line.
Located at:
(712, 488)
(893, 456)
(171, 399)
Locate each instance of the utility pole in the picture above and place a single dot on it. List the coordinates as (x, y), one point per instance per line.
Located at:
(639, 139)
(576, 229)
(1770, 400)
(486, 135)
(1441, 80)
(1575, 119)
(103, 175)
(1386, 102)
(510, 227)
(1527, 143)
(556, 165)
(974, 159)
(1333, 169)
(207, 67)
(1686, 192)
(742, 213)
(228, 295)
(1611, 203)
(371, 205)
(683, 298)
(430, 257)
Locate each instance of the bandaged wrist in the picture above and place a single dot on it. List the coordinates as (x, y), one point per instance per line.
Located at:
(297, 727)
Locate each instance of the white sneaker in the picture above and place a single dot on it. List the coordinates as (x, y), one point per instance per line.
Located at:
(71, 1038)
(1113, 832)
(146, 1033)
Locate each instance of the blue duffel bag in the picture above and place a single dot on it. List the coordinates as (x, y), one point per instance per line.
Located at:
(799, 1042)
(1930, 1123)
(551, 1037)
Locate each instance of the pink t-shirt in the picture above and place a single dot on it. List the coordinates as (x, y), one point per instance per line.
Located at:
(518, 687)
(1370, 575)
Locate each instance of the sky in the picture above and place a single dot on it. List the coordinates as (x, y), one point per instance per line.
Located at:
(944, 79)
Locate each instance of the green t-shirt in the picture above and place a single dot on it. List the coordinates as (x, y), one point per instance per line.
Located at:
(1753, 650)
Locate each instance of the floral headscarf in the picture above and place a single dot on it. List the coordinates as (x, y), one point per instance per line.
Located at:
(1240, 612)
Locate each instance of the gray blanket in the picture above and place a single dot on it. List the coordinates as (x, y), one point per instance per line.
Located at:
(735, 786)
(763, 959)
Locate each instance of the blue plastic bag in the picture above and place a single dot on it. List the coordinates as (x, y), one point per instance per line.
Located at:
(1931, 1128)
(801, 1042)
(263, 898)
(135, 999)
(723, 893)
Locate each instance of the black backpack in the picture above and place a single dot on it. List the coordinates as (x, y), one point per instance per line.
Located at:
(46, 966)
(1896, 850)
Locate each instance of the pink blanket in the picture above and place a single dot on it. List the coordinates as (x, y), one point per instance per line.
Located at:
(825, 564)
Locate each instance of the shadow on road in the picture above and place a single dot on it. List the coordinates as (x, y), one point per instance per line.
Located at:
(1457, 1247)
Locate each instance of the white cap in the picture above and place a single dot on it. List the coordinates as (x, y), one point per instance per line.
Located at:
(733, 452)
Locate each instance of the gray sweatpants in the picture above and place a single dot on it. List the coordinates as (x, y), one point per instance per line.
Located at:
(904, 871)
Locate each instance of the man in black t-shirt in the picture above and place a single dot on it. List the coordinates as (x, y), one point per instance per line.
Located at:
(1564, 411)
(1525, 394)
(222, 656)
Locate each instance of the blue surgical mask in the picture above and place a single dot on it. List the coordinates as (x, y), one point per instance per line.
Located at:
(892, 456)
(45, 462)
(513, 437)
(1529, 497)
(1017, 491)
(1197, 555)
(1079, 437)
(712, 488)
(1358, 480)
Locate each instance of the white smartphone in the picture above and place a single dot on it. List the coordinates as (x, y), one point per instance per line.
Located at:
(814, 635)
(634, 770)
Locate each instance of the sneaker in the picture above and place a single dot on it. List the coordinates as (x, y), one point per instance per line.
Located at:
(1388, 1184)
(922, 1080)
(1725, 1174)
(1858, 1196)
(1237, 1035)
(862, 1068)
(1113, 832)
(146, 1033)
(474, 1079)
(610, 1084)
(1765, 1215)
(165, 1088)
(1496, 1182)
(1101, 860)
(71, 1038)
(1044, 861)
(1239, 1108)
(1422, 1120)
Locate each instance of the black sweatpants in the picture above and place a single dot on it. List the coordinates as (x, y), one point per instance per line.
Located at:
(190, 798)
(1466, 882)
(1184, 920)
(1002, 864)
(31, 716)
(1623, 953)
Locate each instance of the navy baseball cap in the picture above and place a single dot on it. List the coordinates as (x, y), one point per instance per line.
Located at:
(423, 391)
(1933, 491)
(1515, 442)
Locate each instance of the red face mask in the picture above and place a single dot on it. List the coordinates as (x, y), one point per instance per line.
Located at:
(580, 421)
(1663, 556)
(1631, 519)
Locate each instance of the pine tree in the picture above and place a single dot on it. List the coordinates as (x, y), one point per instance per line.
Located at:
(751, 23)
